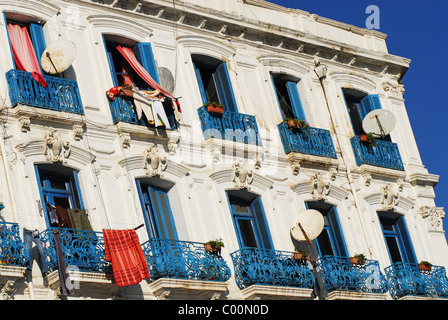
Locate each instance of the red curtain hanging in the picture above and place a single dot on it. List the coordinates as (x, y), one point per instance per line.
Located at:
(23, 52)
(130, 57)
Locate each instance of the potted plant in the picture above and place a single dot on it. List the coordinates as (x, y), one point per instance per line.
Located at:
(358, 259)
(301, 254)
(368, 138)
(425, 265)
(214, 245)
(214, 107)
(296, 124)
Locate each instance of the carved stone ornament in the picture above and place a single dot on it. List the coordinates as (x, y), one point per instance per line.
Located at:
(242, 176)
(55, 149)
(155, 162)
(390, 197)
(319, 188)
(396, 90)
(433, 216)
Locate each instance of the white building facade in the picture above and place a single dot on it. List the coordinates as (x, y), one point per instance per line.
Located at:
(242, 176)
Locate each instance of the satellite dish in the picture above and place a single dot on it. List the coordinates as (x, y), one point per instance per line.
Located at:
(58, 56)
(166, 79)
(379, 122)
(307, 226)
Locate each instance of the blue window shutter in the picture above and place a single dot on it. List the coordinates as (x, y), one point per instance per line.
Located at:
(294, 97)
(369, 103)
(143, 53)
(337, 236)
(78, 190)
(110, 61)
(260, 218)
(224, 88)
(200, 83)
(38, 39)
(9, 41)
(405, 239)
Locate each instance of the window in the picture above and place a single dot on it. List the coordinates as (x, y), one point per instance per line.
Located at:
(396, 237)
(331, 240)
(214, 81)
(359, 105)
(288, 97)
(59, 187)
(157, 211)
(122, 73)
(249, 220)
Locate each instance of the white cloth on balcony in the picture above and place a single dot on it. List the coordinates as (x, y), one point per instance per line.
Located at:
(142, 101)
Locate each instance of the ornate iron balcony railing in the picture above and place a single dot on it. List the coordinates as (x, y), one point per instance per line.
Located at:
(122, 110)
(183, 260)
(269, 267)
(231, 126)
(407, 279)
(82, 249)
(60, 95)
(12, 248)
(313, 141)
(384, 154)
(339, 274)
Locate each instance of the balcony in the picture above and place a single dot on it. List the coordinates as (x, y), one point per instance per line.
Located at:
(407, 281)
(123, 111)
(385, 154)
(230, 126)
(60, 95)
(184, 267)
(263, 273)
(312, 141)
(352, 281)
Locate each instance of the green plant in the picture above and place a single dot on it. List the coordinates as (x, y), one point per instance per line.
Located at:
(215, 104)
(426, 263)
(371, 139)
(304, 253)
(217, 244)
(361, 258)
(296, 123)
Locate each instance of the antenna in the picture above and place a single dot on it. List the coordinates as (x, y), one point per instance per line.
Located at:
(379, 122)
(58, 56)
(307, 226)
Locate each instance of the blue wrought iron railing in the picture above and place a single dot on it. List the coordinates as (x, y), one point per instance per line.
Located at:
(383, 154)
(231, 126)
(82, 249)
(60, 95)
(339, 274)
(123, 111)
(183, 260)
(12, 248)
(269, 267)
(406, 279)
(313, 141)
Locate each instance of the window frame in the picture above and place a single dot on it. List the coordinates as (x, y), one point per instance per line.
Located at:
(293, 95)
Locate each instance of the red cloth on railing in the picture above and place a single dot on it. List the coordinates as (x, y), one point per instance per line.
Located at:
(123, 249)
(23, 52)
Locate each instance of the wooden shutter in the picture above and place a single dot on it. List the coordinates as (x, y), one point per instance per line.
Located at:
(200, 83)
(369, 103)
(294, 98)
(38, 39)
(224, 88)
(143, 53)
(263, 228)
(405, 241)
(337, 236)
(110, 60)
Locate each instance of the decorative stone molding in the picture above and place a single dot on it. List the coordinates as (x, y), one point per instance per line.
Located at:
(125, 140)
(395, 90)
(433, 217)
(242, 176)
(155, 162)
(319, 188)
(77, 132)
(390, 197)
(55, 149)
(25, 123)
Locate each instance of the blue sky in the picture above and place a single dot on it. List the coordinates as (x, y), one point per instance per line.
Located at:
(416, 30)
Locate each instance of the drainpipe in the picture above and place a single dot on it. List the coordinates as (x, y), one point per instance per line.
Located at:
(321, 72)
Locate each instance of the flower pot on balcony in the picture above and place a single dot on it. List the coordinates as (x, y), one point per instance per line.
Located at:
(357, 259)
(214, 108)
(425, 266)
(363, 138)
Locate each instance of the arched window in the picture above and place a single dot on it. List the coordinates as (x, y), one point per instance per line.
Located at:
(249, 220)
(214, 81)
(331, 240)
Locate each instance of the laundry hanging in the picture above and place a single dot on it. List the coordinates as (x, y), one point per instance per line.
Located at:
(122, 248)
(141, 71)
(23, 52)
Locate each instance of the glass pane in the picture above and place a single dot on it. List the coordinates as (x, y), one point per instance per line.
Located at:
(324, 243)
(394, 250)
(58, 184)
(247, 233)
(63, 202)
